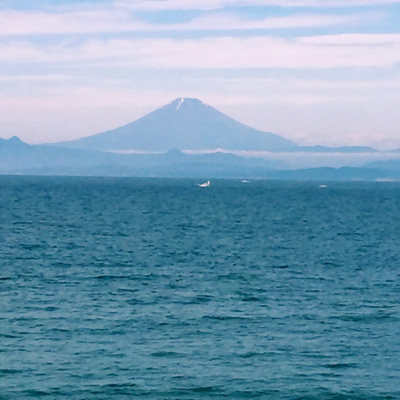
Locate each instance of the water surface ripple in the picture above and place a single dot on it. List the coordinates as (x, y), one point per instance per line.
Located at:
(159, 289)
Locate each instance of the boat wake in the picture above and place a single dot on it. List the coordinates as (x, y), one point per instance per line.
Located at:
(205, 184)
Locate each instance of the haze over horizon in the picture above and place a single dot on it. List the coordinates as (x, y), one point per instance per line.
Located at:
(314, 72)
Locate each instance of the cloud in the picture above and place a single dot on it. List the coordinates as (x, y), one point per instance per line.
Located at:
(159, 5)
(215, 52)
(79, 21)
(115, 20)
(34, 78)
(233, 22)
(353, 39)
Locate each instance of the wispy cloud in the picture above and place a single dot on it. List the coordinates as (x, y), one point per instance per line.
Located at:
(79, 21)
(354, 39)
(109, 21)
(35, 78)
(233, 22)
(216, 52)
(157, 5)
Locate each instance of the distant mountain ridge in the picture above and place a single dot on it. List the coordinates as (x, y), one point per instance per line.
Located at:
(341, 149)
(184, 124)
(14, 143)
(17, 157)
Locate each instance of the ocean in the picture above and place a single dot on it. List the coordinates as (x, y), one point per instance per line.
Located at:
(117, 288)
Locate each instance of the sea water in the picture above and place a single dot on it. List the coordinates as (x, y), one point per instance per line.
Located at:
(161, 289)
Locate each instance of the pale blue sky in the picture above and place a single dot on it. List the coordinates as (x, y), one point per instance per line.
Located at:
(314, 71)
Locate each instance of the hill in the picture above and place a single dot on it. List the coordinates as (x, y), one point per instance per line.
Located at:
(17, 157)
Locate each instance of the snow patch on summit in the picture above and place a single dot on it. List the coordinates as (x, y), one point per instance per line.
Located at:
(180, 103)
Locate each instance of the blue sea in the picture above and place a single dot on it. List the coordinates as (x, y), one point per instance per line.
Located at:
(159, 289)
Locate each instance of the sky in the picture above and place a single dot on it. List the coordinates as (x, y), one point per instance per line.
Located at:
(314, 71)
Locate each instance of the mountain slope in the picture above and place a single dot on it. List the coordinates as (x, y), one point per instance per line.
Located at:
(184, 124)
(389, 165)
(341, 149)
(16, 155)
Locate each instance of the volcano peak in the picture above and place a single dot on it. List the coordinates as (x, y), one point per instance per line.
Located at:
(180, 102)
(184, 124)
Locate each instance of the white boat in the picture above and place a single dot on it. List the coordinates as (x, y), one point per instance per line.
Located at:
(322, 186)
(205, 184)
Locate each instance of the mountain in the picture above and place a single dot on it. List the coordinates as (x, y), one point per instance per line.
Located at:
(388, 165)
(17, 157)
(341, 149)
(184, 124)
(12, 144)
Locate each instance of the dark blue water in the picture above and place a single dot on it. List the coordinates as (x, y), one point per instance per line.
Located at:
(159, 289)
